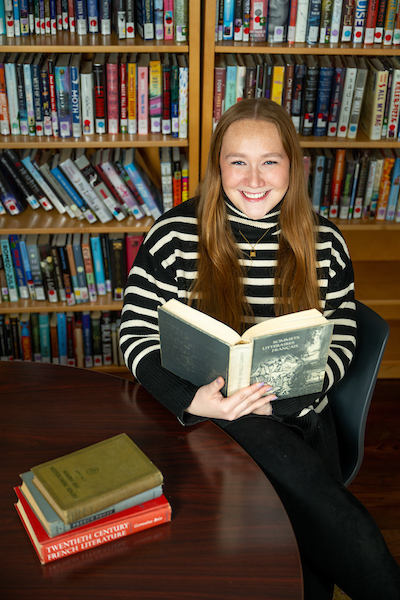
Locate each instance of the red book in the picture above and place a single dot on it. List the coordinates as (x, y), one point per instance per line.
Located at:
(370, 21)
(123, 98)
(219, 88)
(133, 243)
(380, 22)
(114, 527)
(337, 180)
(112, 93)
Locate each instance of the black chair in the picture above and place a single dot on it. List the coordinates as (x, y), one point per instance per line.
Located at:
(350, 399)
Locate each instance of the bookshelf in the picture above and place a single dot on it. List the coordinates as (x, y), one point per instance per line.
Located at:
(31, 221)
(374, 247)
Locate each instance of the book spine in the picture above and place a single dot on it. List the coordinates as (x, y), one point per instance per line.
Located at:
(357, 103)
(370, 21)
(360, 14)
(71, 192)
(44, 334)
(12, 164)
(4, 115)
(123, 98)
(75, 102)
(310, 92)
(66, 278)
(336, 21)
(258, 21)
(144, 18)
(143, 99)
(34, 261)
(394, 192)
(112, 98)
(384, 189)
(37, 101)
(166, 109)
(347, 20)
(346, 102)
(63, 94)
(130, 19)
(175, 100)
(50, 198)
(183, 102)
(394, 107)
(105, 17)
(313, 21)
(27, 269)
(100, 100)
(181, 20)
(169, 25)
(53, 97)
(390, 17)
(380, 22)
(87, 104)
(155, 96)
(93, 16)
(45, 89)
(98, 265)
(12, 96)
(229, 13)
(326, 18)
(132, 98)
(322, 101)
(23, 115)
(9, 269)
(337, 183)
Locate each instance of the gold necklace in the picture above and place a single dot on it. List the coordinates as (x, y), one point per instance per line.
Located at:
(253, 251)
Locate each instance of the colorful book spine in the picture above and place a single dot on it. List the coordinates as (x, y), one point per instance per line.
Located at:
(143, 187)
(143, 94)
(181, 8)
(53, 96)
(313, 21)
(370, 21)
(45, 90)
(123, 97)
(229, 16)
(380, 22)
(62, 337)
(112, 94)
(174, 96)
(145, 18)
(155, 93)
(258, 20)
(93, 16)
(87, 101)
(390, 18)
(75, 98)
(63, 95)
(169, 26)
(131, 92)
(98, 265)
(336, 21)
(9, 268)
(394, 189)
(99, 93)
(347, 20)
(183, 97)
(130, 19)
(12, 95)
(360, 14)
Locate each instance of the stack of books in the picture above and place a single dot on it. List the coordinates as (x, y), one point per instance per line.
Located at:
(95, 495)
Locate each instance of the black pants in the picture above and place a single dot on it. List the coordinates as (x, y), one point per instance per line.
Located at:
(339, 542)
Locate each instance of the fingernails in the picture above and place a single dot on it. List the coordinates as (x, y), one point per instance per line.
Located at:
(261, 384)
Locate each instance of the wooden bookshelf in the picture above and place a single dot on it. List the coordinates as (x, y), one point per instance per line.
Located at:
(39, 221)
(374, 247)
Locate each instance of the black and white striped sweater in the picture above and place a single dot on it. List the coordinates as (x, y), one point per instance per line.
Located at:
(165, 268)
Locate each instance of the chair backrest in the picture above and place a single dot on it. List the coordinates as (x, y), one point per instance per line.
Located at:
(350, 399)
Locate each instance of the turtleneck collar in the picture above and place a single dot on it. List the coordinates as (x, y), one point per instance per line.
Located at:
(241, 222)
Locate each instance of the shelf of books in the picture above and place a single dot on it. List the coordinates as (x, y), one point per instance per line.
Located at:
(335, 67)
(96, 142)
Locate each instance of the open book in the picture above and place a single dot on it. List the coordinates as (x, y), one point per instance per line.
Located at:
(288, 352)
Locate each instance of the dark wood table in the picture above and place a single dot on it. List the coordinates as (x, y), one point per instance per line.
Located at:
(229, 537)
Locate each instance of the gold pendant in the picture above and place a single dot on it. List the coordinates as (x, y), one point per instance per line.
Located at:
(252, 253)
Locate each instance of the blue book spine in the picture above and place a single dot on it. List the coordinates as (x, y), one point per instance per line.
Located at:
(81, 17)
(318, 182)
(394, 191)
(44, 335)
(53, 17)
(97, 256)
(2, 19)
(62, 337)
(323, 101)
(230, 86)
(93, 16)
(29, 99)
(75, 102)
(9, 269)
(63, 181)
(18, 266)
(313, 21)
(63, 90)
(24, 16)
(229, 15)
(145, 18)
(27, 269)
(23, 114)
(143, 189)
(17, 24)
(159, 19)
(105, 17)
(37, 99)
(87, 339)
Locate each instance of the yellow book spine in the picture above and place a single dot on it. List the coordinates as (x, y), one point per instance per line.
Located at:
(131, 99)
(277, 84)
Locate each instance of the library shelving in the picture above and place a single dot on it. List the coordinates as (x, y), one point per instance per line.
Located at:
(31, 221)
(374, 246)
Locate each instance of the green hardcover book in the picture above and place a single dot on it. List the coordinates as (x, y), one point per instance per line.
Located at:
(91, 479)
(288, 352)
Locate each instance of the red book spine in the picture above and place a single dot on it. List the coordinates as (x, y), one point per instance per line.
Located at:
(337, 179)
(292, 22)
(99, 98)
(146, 515)
(112, 98)
(370, 22)
(123, 98)
(219, 94)
(166, 117)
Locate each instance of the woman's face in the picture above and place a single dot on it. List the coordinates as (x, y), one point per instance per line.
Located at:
(254, 167)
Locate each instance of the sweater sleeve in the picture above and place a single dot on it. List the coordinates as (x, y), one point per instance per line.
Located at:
(153, 280)
(337, 291)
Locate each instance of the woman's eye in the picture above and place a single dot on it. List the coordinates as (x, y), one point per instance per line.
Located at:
(237, 162)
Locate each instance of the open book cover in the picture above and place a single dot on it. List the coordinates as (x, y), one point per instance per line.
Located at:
(288, 352)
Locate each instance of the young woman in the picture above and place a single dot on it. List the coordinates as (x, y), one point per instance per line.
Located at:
(250, 247)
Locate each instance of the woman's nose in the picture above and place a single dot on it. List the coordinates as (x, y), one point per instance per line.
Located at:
(256, 179)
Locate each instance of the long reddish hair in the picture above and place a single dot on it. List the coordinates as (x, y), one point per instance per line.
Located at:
(218, 289)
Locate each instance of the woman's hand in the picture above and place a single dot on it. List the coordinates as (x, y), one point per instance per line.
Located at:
(209, 402)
